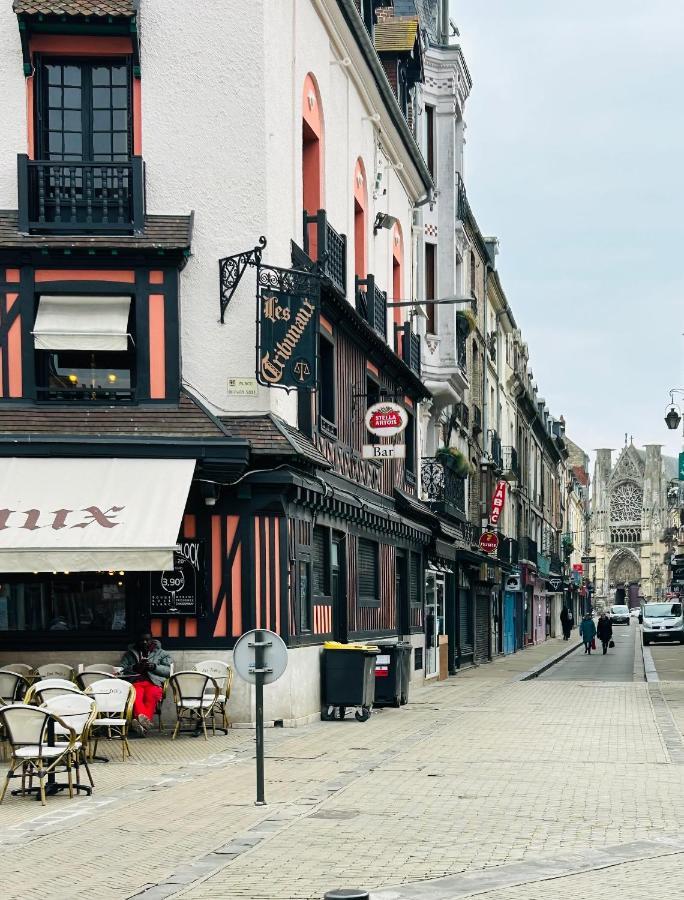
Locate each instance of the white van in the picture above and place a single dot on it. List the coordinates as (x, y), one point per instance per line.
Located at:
(662, 622)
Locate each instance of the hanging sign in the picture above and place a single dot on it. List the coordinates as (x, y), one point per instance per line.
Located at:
(386, 418)
(288, 305)
(489, 541)
(498, 501)
(178, 591)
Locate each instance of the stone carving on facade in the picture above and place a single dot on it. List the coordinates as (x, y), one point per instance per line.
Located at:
(626, 501)
(624, 568)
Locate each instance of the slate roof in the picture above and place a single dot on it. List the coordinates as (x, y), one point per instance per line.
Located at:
(396, 35)
(74, 7)
(187, 419)
(268, 435)
(160, 233)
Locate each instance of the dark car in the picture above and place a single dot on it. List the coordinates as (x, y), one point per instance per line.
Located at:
(619, 615)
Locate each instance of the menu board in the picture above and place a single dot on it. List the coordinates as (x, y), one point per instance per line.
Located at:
(179, 591)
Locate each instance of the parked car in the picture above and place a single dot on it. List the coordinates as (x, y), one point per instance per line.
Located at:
(619, 615)
(662, 622)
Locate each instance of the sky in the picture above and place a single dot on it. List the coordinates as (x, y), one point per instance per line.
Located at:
(574, 160)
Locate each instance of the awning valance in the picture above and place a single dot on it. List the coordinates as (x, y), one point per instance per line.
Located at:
(82, 323)
(89, 515)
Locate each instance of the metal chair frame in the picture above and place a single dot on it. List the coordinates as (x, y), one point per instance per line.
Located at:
(193, 699)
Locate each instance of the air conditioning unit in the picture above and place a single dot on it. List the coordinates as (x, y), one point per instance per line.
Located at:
(513, 583)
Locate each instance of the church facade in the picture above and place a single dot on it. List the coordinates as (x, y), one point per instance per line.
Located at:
(629, 518)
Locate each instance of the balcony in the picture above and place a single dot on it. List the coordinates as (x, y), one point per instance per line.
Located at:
(329, 248)
(81, 197)
(528, 551)
(496, 451)
(462, 205)
(442, 488)
(509, 463)
(408, 346)
(371, 303)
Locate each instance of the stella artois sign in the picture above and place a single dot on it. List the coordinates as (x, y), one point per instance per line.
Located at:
(386, 419)
(489, 541)
(498, 501)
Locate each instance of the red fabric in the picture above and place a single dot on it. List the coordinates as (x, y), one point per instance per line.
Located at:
(593, 643)
(147, 695)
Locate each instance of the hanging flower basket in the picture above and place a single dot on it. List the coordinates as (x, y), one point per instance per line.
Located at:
(455, 460)
(467, 321)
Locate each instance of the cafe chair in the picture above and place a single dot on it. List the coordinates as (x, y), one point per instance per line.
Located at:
(159, 710)
(114, 698)
(107, 668)
(56, 670)
(40, 691)
(32, 749)
(13, 687)
(194, 694)
(222, 674)
(88, 676)
(21, 669)
(79, 712)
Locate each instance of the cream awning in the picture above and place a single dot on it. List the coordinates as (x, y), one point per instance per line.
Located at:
(82, 323)
(89, 515)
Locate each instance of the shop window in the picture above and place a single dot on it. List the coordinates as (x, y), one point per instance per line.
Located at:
(321, 562)
(326, 387)
(368, 573)
(84, 348)
(88, 602)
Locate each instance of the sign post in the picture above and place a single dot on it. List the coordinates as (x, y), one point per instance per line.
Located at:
(260, 657)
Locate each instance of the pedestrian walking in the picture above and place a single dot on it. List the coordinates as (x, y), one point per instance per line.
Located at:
(566, 618)
(604, 631)
(588, 632)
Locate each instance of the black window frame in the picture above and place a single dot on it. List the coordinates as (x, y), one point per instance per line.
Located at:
(326, 401)
(414, 580)
(304, 605)
(430, 137)
(365, 599)
(42, 107)
(373, 395)
(410, 443)
(431, 286)
(320, 541)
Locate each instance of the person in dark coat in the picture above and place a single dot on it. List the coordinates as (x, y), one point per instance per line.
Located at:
(587, 631)
(566, 622)
(604, 631)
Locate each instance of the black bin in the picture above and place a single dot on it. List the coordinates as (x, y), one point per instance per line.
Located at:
(392, 673)
(349, 678)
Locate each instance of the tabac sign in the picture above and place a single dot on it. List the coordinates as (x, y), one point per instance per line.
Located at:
(288, 325)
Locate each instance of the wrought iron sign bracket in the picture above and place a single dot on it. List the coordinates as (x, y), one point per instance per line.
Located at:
(394, 396)
(231, 270)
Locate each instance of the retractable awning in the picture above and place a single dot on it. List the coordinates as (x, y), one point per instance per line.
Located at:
(90, 515)
(82, 323)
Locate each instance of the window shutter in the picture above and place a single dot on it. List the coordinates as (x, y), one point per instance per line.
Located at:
(414, 584)
(320, 536)
(368, 571)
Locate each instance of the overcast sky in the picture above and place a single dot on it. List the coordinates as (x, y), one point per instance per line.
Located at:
(574, 160)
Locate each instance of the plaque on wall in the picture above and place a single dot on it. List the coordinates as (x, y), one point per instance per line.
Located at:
(179, 591)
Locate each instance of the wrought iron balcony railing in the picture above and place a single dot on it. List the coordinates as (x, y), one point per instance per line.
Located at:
(81, 197)
(442, 487)
(371, 303)
(461, 352)
(462, 205)
(528, 550)
(326, 246)
(496, 450)
(477, 419)
(510, 461)
(408, 346)
(462, 414)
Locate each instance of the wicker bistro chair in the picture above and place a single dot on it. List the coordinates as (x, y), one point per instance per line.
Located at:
(21, 669)
(56, 670)
(222, 674)
(40, 691)
(114, 698)
(107, 668)
(27, 730)
(194, 694)
(13, 687)
(79, 712)
(87, 677)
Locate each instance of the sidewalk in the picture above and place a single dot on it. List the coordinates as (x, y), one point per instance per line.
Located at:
(478, 771)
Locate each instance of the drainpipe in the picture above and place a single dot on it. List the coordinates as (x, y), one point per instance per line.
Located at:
(444, 23)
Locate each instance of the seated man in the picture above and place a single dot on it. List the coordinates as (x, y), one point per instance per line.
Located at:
(148, 666)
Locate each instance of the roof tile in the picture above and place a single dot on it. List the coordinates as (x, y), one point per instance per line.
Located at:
(396, 35)
(74, 7)
(269, 435)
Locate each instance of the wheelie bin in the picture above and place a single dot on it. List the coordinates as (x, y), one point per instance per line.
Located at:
(391, 671)
(348, 679)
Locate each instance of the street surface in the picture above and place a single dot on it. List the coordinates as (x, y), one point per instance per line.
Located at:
(566, 786)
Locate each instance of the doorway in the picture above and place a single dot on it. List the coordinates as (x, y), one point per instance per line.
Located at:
(434, 620)
(338, 576)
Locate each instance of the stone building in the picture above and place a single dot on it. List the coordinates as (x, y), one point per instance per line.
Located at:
(629, 518)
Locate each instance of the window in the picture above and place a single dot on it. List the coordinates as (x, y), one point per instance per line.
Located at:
(368, 573)
(326, 387)
(473, 273)
(84, 111)
(304, 606)
(430, 289)
(321, 562)
(89, 602)
(372, 397)
(430, 138)
(410, 439)
(415, 597)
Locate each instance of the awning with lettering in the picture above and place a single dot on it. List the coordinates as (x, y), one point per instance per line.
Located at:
(82, 323)
(91, 515)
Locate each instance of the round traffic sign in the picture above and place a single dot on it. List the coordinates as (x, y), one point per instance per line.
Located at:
(489, 541)
(275, 655)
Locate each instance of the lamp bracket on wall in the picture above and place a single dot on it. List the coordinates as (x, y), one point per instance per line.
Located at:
(231, 270)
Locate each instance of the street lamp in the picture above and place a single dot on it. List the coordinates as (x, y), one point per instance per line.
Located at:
(673, 417)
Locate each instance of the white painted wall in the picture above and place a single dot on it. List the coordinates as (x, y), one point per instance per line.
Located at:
(13, 133)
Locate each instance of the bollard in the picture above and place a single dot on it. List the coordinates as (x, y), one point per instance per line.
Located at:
(347, 894)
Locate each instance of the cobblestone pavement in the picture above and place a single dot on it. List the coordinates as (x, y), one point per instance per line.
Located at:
(500, 787)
